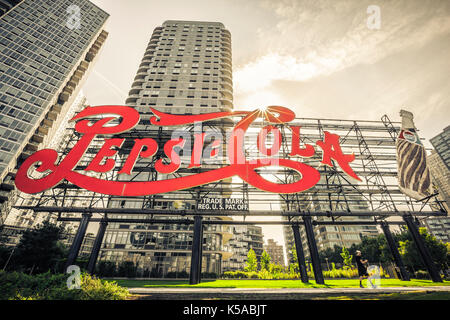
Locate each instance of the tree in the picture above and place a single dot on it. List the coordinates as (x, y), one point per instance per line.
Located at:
(374, 249)
(411, 256)
(252, 261)
(346, 258)
(106, 269)
(40, 250)
(126, 269)
(333, 255)
(265, 261)
(293, 267)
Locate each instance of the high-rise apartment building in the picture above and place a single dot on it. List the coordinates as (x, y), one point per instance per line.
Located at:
(186, 69)
(22, 218)
(275, 251)
(440, 174)
(244, 238)
(440, 177)
(46, 49)
(441, 144)
(6, 5)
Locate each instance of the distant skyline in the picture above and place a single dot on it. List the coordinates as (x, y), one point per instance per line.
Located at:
(318, 58)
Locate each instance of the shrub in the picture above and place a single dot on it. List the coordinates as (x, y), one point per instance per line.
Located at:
(97, 289)
(208, 275)
(240, 275)
(106, 269)
(421, 274)
(126, 269)
(46, 286)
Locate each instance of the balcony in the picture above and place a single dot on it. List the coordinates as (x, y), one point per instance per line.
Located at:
(226, 102)
(227, 73)
(226, 109)
(226, 33)
(56, 108)
(227, 85)
(51, 116)
(227, 79)
(226, 54)
(226, 60)
(132, 98)
(143, 70)
(227, 93)
(32, 146)
(148, 55)
(226, 44)
(38, 138)
(137, 83)
(145, 63)
(225, 65)
(134, 91)
(140, 76)
(42, 130)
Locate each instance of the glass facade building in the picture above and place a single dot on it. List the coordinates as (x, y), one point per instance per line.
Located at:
(186, 69)
(439, 226)
(46, 48)
(441, 144)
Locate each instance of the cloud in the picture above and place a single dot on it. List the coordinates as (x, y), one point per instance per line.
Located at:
(318, 38)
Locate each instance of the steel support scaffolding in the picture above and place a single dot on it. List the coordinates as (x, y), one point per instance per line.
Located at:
(372, 143)
(96, 246)
(422, 248)
(300, 254)
(196, 256)
(313, 252)
(78, 240)
(404, 275)
(218, 213)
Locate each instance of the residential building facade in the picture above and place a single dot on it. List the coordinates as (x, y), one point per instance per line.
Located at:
(244, 238)
(186, 69)
(275, 251)
(440, 174)
(441, 144)
(46, 51)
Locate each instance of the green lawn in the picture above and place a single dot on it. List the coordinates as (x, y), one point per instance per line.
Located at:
(415, 295)
(345, 283)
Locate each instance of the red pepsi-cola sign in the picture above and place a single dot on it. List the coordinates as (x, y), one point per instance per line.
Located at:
(45, 161)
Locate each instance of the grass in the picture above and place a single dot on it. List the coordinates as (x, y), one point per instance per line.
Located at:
(415, 295)
(344, 283)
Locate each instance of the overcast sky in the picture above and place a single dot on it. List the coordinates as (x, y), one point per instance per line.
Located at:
(318, 57)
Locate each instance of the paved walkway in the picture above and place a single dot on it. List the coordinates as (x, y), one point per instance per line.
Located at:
(273, 294)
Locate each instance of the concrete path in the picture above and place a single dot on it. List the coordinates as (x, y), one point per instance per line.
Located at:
(272, 294)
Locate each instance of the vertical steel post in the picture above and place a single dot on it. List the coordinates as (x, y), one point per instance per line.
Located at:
(200, 257)
(78, 240)
(317, 268)
(196, 251)
(300, 253)
(422, 248)
(394, 251)
(96, 246)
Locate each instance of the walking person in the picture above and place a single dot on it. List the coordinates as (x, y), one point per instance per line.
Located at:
(362, 268)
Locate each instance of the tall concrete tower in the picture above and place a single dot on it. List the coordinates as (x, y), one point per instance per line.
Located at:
(186, 69)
